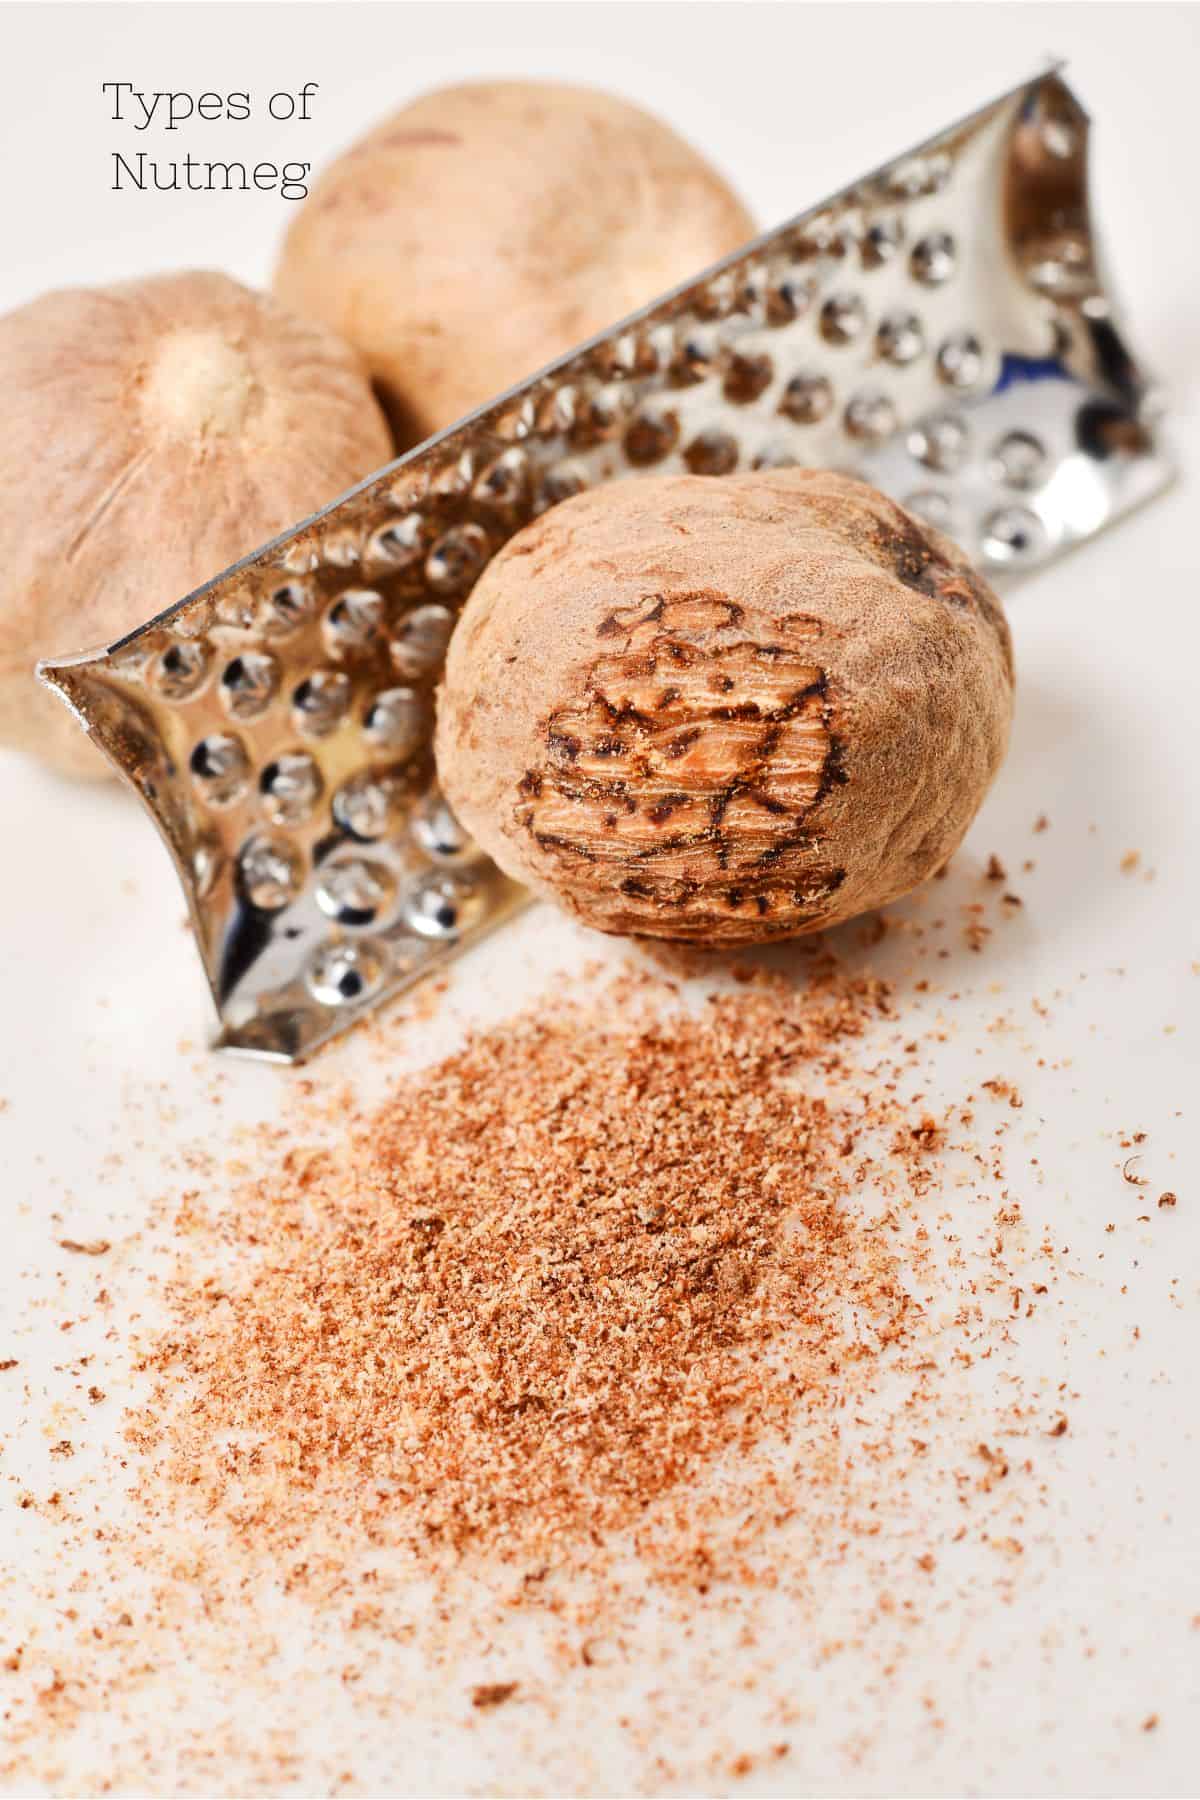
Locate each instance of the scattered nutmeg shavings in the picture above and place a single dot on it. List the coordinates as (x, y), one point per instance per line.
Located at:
(560, 1373)
(493, 1693)
(540, 1286)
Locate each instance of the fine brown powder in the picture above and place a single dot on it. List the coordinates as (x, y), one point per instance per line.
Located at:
(660, 1329)
(552, 1276)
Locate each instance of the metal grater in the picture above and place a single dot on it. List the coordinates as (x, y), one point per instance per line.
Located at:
(940, 328)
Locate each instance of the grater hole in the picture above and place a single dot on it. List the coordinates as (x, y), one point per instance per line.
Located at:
(650, 436)
(843, 319)
(870, 417)
(181, 670)
(356, 891)
(320, 702)
(456, 559)
(290, 786)
(939, 442)
(370, 805)
(747, 377)
(270, 872)
(220, 768)
(395, 721)
(442, 905)
(339, 974)
(934, 259)
(419, 641)
(353, 621)
(807, 399)
(712, 453)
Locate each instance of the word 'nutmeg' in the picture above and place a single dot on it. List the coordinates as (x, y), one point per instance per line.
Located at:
(726, 710)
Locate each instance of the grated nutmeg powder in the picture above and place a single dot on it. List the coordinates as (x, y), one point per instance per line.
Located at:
(549, 1278)
(649, 1336)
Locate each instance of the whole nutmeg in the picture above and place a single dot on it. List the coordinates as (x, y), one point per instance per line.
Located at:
(155, 432)
(485, 229)
(725, 710)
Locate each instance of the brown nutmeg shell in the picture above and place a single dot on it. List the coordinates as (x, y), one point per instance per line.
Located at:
(725, 710)
(491, 226)
(156, 431)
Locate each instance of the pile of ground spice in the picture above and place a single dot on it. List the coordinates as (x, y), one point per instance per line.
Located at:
(679, 1341)
(549, 1278)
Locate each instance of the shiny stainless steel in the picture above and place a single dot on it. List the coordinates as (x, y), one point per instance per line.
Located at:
(940, 328)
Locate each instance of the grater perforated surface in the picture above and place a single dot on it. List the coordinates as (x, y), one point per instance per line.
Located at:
(941, 328)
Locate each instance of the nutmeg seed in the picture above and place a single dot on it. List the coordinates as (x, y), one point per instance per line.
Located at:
(156, 431)
(491, 226)
(725, 710)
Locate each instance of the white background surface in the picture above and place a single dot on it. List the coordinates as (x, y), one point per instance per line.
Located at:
(100, 985)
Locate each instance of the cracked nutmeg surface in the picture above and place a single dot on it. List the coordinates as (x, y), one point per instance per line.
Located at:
(725, 710)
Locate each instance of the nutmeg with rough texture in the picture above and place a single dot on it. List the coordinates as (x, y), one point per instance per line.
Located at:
(725, 710)
(155, 432)
(487, 228)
